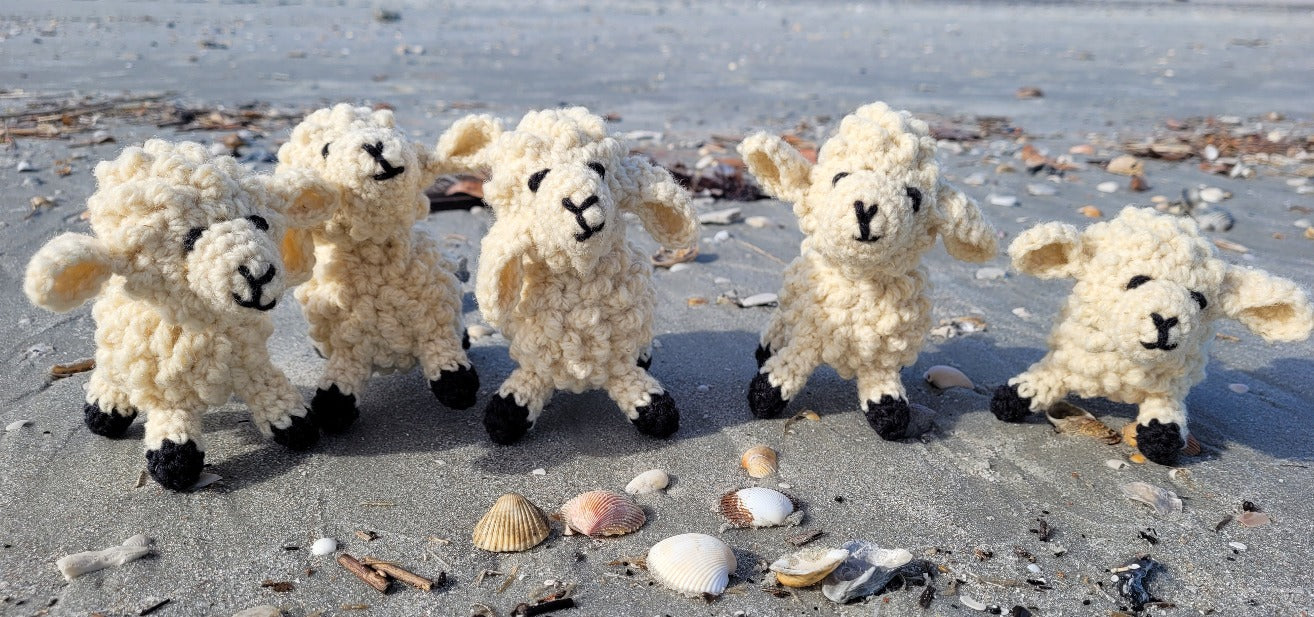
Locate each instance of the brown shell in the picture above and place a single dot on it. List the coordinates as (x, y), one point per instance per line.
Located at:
(756, 507)
(759, 461)
(513, 524)
(1072, 420)
(602, 513)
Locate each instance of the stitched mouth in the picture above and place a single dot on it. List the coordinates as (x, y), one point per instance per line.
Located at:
(376, 152)
(1160, 344)
(588, 231)
(868, 239)
(578, 211)
(257, 289)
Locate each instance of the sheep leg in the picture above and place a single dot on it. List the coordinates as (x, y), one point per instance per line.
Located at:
(175, 446)
(334, 405)
(1034, 390)
(884, 402)
(1161, 429)
(645, 357)
(276, 406)
(648, 406)
(107, 411)
(773, 338)
(782, 376)
(452, 378)
(516, 406)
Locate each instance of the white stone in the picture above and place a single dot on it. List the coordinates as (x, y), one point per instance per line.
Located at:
(758, 222)
(1002, 200)
(323, 546)
(762, 299)
(990, 273)
(1107, 187)
(976, 179)
(1041, 190)
(539, 472)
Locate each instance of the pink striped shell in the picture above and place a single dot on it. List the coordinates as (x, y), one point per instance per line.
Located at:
(602, 513)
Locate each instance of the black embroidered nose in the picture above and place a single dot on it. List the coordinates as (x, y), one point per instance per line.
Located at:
(578, 211)
(1162, 325)
(375, 151)
(257, 288)
(865, 215)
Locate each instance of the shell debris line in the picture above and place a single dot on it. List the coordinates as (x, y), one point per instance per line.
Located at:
(512, 525)
(759, 461)
(692, 564)
(758, 507)
(651, 481)
(77, 564)
(602, 513)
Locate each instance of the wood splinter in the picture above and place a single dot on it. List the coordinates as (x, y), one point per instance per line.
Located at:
(389, 569)
(529, 610)
(60, 371)
(364, 573)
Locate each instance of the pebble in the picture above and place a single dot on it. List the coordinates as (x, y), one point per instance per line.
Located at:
(721, 217)
(1238, 388)
(1022, 312)
(680, 267)
(762, 299)
(785, 485)
(1033, 568)
(1302, 223)
(976, 179)
(24, 166)
(702, 387)
(1237, 546)
(721, 280)
(721, 236)
(1210, 152)
(264, 610)
(539, 472)
(1213, 194)
(990, 273)
(1114, 463)
(1041, 190)
(1107, 187)
(1006, 201)
(323, 546)
(759, 222)
(17, 424)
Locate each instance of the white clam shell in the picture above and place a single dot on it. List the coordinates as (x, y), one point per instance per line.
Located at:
(808, 566)
(942, 377)
(649, 481)
(756, 507)
(692, 564)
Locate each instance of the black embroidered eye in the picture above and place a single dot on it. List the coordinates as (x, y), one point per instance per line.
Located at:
(324, 151)
(537, 179)
(602, 171)
(915, 194)
(259, 222)
(1137, 281)
(193, 234)
(839, 176)
(1200, 299)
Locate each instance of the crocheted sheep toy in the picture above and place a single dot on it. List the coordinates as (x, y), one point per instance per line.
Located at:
(856, 296)
(185, 264)
(382, 296)
(1140, 319)
(556, 272)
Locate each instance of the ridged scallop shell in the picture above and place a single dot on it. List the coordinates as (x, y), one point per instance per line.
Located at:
(649, 481)
(759, 461)
(692, 564)
(942, 377)
(513, 524)
(602, 513)
(808, 566)
(756, 507)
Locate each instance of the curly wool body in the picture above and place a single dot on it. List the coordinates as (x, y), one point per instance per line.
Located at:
(556, 272)
(186, 263)
(382, 297)
(856, 296)
(1141, 317)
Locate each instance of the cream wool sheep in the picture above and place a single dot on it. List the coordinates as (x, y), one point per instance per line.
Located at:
(856, 296)
(1138, 324)
(185, 263)
(556, 272)
(382, 296)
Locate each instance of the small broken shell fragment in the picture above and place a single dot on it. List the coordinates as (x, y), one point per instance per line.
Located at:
(759, 461)
(1072, 420)
(942, 377)
(665, 258)
(1251, 518)
(1091, 211)
(868, 569)
(513, 524)
(77, 564)
(649, 481)
(758, 507)
(692, 564)
(602, 513)
(808, 566)
(1163, 500)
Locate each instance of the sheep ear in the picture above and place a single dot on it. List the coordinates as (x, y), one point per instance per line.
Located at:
(67, 271)
(1048, 250)
(660, 203)
(501, 273)
(467, 144)
(308, 200)
(298, 251)
(967, 235)
(778, 167)
(1272, 307)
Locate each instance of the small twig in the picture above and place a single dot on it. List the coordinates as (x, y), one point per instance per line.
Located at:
(393, 570)
(154, 607)
(528, 610)
(510, 578)
(759, 250)
(60, 371)
(364, 573)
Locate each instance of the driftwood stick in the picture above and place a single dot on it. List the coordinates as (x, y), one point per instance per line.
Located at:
(364, 573)
(60, 371)
(395, 571)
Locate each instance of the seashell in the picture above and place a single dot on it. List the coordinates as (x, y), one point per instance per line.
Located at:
(867, 570)
(512, 524)
(693, 564)
(942, 377)
(1107, 187)
(808, 566)
(758, 507)
(762, 299)
(649, 481)
(1163, 500)
(1213, 218)
(759, 461)
(602, 513)
(1192, 447)
(1253, 519)
(1006, 201)
(1126, 165)
(323, 546)
(1072, 420)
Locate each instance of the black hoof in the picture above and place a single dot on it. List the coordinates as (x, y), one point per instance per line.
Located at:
(465, 339)
(176, 466)
(762, 354)
(659, 418)
(332, 410)
(456, 389)
(645, 361)
(1159, 442)
(106, 424)
(765, 399)
(300, 435)
(505, 420)
(1008, 405)
(889, 417)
